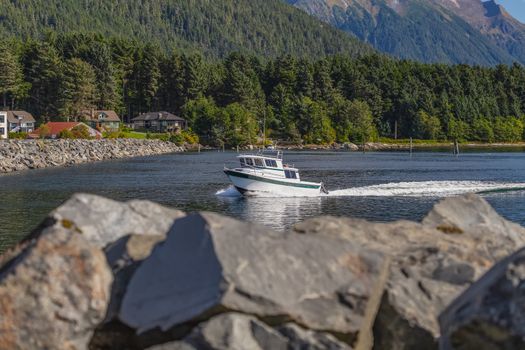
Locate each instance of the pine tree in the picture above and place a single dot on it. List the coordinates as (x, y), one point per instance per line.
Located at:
(42, 70)
(241, 84)
(11, 76)
(77, 91)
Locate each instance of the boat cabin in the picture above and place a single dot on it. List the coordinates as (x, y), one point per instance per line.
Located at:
(269, 165)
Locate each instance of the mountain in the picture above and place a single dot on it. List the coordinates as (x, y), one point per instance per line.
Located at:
(449, 31)
(264, 27)
(493, 21)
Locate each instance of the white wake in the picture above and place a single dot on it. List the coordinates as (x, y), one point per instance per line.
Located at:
(228, 192)
(427, 189)
(404, 189)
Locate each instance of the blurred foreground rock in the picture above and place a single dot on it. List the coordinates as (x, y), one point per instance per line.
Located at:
(101, 274)
(491, 313)
(54, 291)
(432, 262)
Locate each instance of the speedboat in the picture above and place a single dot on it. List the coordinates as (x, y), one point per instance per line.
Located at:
(267, 174)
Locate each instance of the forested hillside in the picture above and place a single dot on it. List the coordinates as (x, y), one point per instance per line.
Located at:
(444, 31)
(266, 28)
(323, 100)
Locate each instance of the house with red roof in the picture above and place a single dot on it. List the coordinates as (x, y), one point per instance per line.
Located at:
(53, 129)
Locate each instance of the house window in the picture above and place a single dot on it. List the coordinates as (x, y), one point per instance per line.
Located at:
(2, 131)
(2, 119)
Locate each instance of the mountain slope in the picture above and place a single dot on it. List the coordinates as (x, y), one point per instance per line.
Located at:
(493, 21)
(450, 31)
(265, 28)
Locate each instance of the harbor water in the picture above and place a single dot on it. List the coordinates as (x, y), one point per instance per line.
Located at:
(380, 186)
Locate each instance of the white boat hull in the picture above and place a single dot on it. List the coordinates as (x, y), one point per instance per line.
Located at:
(250, 184)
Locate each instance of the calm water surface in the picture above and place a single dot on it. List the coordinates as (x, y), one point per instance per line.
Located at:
(376, 186)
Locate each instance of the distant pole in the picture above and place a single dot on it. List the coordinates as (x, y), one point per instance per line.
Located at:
(395, 129)
(199, 148)
(456, 147)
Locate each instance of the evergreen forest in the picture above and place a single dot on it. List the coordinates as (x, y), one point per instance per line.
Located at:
(230, 100)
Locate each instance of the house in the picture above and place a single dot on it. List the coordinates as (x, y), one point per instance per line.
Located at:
(52, 129)
(3, 125)
(159, 122)
(101, 120)
(20, 121)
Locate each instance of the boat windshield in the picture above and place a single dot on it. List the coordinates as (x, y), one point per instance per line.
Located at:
(290, 174)
(258, 162)
(270, 163)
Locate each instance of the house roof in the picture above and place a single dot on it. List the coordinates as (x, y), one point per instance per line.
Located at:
(158, 116)
(56, 127)
(15, 116)
(95, 115)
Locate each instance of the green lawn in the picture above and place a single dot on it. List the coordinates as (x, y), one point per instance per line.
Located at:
(135, 135)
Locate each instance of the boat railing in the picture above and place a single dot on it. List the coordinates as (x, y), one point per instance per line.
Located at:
(279, 154)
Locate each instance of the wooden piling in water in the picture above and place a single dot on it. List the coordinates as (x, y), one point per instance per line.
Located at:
(456, 147)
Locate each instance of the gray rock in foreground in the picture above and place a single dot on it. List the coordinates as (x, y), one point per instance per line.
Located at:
(432, 263)
(126, 231)
(491, 313)
(205, 281)
(210, 263)
(103, 221)
(53, 292)
(234, 331)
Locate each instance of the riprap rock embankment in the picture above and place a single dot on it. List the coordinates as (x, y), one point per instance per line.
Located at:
(101, 274)
(18, 155)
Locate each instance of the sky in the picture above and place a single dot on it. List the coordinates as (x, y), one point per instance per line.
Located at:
(515, 7)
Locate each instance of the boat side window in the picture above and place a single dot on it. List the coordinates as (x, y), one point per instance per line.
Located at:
(243, 163)
(249, 161)
(290, 174)
(258, 162)
(271, 163)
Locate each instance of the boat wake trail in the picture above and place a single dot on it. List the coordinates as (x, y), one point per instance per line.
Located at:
(428, 189)
(230, 192)
(403, 189)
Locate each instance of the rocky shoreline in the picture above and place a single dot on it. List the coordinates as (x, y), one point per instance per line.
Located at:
(16, 155)
(99, 274)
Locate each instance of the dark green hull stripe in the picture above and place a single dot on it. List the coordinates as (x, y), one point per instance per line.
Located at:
(277, 182)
